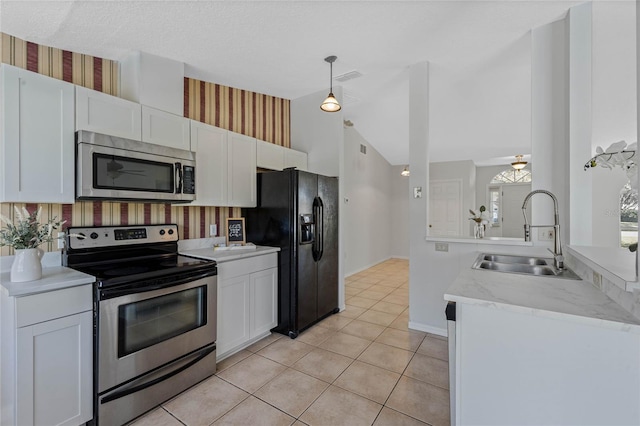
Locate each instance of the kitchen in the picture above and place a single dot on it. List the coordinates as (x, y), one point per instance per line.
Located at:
(427, 304)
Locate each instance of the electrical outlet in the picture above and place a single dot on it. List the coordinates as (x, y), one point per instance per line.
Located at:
(442, 247)
(597, 280)
(545, 234)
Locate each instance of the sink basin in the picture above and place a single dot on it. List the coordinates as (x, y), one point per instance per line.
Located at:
(524, 265)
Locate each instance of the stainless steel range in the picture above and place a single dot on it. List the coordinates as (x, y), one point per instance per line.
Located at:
(155, 316)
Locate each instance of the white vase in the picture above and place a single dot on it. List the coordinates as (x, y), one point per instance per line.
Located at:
(26, 265)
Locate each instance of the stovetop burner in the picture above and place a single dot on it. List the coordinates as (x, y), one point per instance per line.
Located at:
(127, 254)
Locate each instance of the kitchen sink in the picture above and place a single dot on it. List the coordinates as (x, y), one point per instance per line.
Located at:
(524, 265)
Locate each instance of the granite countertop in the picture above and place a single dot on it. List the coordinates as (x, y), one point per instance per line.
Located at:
(565, 299)
(53, 278)
(227, 255)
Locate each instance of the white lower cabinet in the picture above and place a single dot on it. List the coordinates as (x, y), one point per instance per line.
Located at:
(523, 368)
(247, 302)
(47, 358)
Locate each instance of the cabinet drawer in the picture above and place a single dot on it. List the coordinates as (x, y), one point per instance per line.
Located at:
(234, 268)
(53, 304)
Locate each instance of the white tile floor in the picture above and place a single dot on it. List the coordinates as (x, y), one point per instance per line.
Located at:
(362, 366)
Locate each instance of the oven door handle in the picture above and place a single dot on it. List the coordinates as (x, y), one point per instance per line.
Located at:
(155, 381)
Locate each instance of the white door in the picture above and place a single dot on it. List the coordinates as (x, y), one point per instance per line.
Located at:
(445, 208)
(512, 218)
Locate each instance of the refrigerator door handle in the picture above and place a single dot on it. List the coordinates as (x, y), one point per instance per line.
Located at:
(318, 212)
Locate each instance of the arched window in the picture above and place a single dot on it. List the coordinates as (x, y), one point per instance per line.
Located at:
(512, 176)
(628, 216)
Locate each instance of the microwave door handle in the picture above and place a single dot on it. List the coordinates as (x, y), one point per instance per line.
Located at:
(178, 178)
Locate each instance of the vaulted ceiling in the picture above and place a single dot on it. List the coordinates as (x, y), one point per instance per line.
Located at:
(278, 47)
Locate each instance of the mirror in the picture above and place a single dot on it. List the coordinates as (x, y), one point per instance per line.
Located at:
(456, 187)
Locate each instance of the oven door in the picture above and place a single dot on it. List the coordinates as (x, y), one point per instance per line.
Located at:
(144, 330)
(112, 173)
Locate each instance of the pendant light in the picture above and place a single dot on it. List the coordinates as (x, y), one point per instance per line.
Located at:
(519, 164)
(405, 171)
(331, 103)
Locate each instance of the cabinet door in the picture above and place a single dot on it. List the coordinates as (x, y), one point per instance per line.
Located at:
(55, 371)
(269, 156)
(297, 159)
(210, 146)
(37, 138)
(233, 313)
(264, 306)
(102, 113)
(163, 128)
(242, 171)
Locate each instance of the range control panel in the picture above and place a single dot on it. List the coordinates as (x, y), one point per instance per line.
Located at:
(109, 236)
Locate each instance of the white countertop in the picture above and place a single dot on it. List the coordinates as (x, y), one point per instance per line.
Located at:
(616, 264)
(53, 278)
(574, 300)
(226, 255)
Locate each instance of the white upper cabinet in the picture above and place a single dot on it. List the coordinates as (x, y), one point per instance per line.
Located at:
(275, 157)
(210, 145)
(270, 156)
(297, 159)
(225, 167)
(241, 184)
(102, 113)
(37, 138)
(163, 128)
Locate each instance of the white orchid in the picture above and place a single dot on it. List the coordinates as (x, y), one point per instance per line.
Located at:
(618, 154)
(480, 216)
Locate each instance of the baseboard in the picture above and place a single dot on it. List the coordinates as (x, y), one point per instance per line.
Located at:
(428, 329)
(348, 274)
(400, 257)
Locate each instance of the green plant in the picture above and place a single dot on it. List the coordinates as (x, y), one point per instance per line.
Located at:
(28, 232)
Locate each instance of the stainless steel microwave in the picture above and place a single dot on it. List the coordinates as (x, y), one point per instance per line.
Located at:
(112, 168)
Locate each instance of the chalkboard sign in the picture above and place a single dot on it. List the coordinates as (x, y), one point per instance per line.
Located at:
(235, 230)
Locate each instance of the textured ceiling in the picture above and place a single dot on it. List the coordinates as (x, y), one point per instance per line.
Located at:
(278, 47)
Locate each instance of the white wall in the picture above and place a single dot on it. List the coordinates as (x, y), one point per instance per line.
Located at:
(320, 134)
(400, 194)
(489, 105)
(550, 125)
(368, 219)
(614, 115)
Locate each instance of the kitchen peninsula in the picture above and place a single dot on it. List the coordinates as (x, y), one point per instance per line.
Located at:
(539, 350)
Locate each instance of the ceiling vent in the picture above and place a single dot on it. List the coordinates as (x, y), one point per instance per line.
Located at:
(347, 76)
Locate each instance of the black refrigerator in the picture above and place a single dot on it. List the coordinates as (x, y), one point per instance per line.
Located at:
(298, 212)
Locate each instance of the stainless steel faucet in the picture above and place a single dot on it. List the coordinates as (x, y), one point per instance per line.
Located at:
(558, 259)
